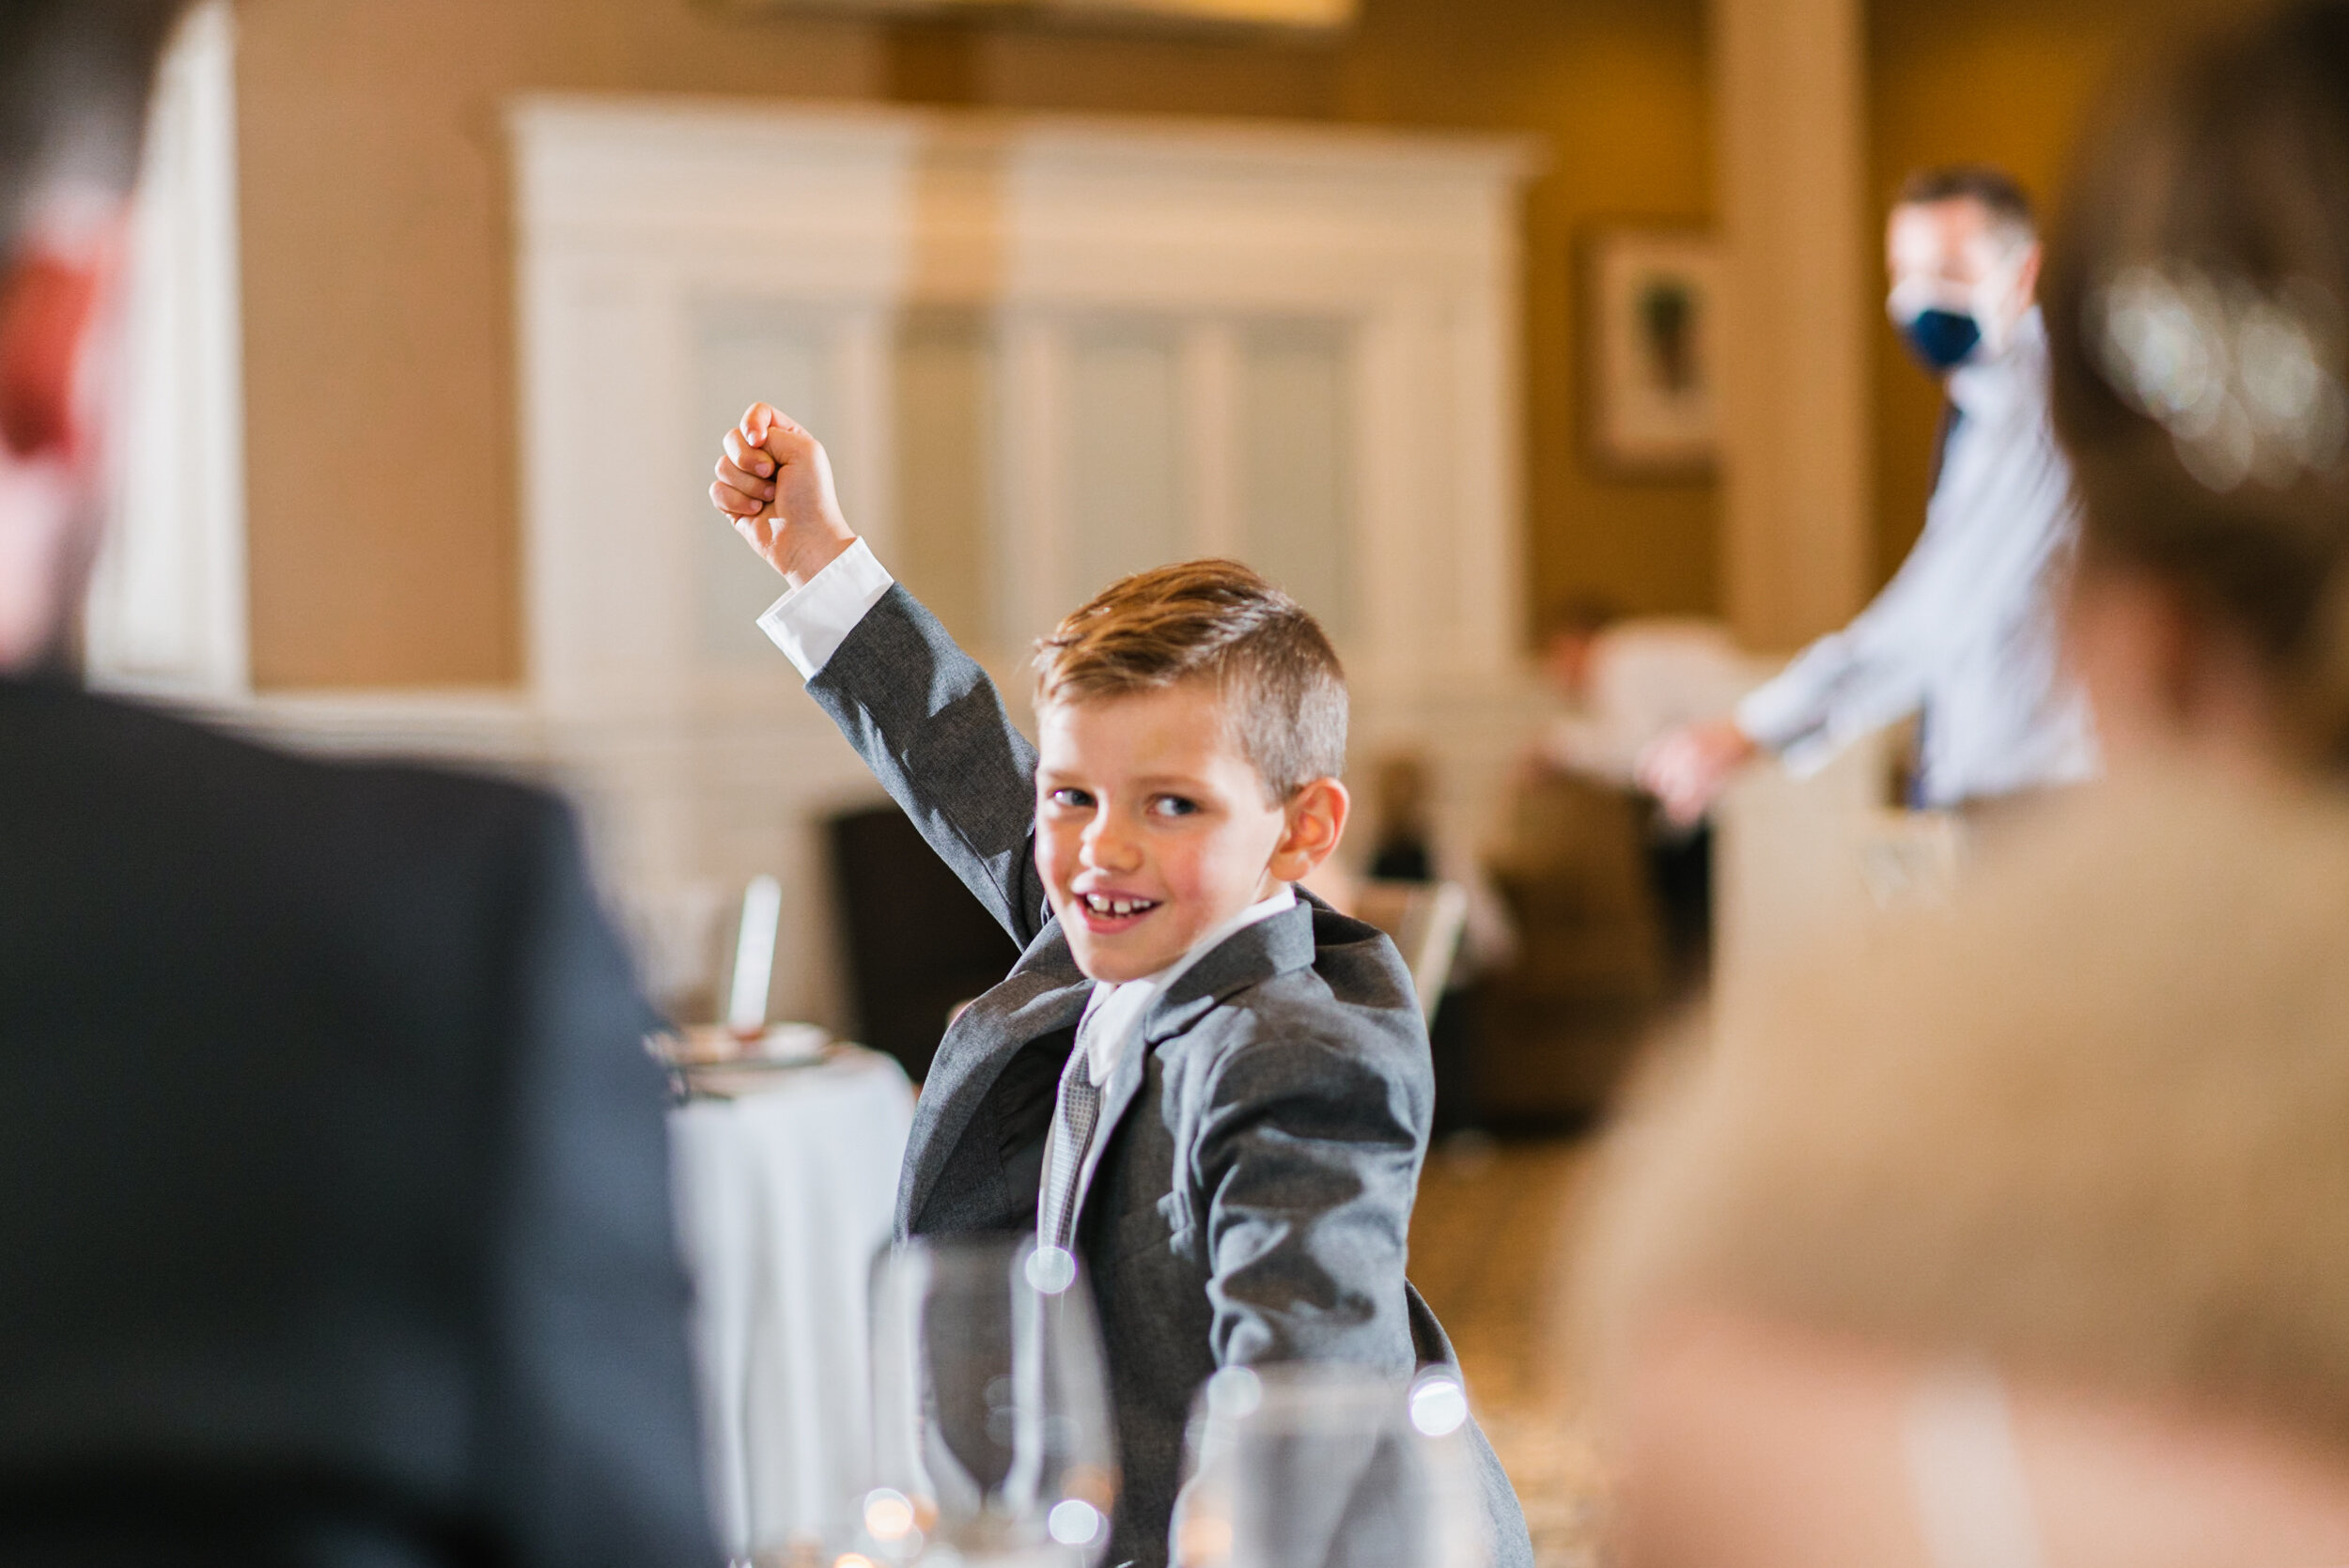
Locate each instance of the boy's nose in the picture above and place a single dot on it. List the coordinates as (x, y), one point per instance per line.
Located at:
(1109, 847)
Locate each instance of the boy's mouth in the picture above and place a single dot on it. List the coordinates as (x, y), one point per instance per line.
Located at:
(1106, 914)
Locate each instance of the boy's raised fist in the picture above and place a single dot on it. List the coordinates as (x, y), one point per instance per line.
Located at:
(775, 484)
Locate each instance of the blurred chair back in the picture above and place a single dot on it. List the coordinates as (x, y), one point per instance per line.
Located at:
(1563, 1019)
(1426, 920)
(917, 943)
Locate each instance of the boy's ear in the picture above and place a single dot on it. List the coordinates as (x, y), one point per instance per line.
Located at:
(1316, 820)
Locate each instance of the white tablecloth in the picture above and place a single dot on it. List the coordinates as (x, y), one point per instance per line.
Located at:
(785, 1196)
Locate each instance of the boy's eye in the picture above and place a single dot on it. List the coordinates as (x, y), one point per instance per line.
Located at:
(1069, 799)
(1173, 805)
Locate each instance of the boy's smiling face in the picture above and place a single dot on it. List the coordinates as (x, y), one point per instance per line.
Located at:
(1152, 827)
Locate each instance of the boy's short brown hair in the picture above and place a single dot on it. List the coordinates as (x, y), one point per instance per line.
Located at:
(1283, 688)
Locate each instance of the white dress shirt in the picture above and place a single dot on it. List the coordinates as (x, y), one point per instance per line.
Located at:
(811, 621)
(1966, 631)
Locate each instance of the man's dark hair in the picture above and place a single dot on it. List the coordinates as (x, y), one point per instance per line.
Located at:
(75, 80)
(1993, 189)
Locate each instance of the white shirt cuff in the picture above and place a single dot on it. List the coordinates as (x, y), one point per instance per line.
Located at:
(811, 621)
(1776, 716)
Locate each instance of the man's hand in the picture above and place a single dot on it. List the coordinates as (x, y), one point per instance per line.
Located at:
(1688, 769)
(775, 484)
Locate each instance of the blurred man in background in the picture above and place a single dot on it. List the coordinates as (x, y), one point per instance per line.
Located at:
(1965, 636)
(2016, 1231)
(337, 1220)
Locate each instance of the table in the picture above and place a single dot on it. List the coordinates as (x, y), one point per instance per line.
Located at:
(785, 1194)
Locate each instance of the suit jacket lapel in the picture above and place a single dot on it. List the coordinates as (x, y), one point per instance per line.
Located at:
(1247, 956)
(1045, 992)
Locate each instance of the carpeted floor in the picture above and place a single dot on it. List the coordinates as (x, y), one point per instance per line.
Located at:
(1490, 1251)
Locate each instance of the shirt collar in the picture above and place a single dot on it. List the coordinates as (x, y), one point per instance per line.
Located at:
(1122, 1003)
(1985, 390)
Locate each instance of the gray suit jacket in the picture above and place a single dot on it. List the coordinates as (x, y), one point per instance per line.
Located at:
(1251, 1199)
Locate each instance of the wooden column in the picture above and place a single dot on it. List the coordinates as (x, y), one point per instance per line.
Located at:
(1802, 277)
(1790, 112)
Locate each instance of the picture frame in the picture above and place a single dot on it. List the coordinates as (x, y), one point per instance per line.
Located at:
(1651, 332)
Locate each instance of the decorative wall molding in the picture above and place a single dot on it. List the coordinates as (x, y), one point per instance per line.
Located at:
(632, 215)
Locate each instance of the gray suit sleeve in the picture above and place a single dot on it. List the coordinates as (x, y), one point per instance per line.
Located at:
(933, 729)
(1309, 1156)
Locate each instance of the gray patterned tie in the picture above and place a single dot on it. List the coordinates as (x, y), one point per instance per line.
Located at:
(1079, 1108)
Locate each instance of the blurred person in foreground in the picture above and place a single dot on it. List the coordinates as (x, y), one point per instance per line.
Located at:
(336, 1220)
(2031, 1245)
(1965, 636)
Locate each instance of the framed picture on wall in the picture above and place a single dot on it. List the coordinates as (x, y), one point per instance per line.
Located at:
(1650, 349)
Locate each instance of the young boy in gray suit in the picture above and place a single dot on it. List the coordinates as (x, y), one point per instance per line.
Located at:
(1215, 1090)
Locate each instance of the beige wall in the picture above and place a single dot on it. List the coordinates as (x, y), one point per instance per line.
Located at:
(2008, 82)
(377, 297)
(379, 309)
(378, 313)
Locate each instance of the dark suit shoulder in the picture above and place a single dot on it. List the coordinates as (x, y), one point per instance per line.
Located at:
(97, 728)
(221, 874)
(106, 757)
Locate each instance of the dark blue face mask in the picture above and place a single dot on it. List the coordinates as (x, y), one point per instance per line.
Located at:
(1942, 339)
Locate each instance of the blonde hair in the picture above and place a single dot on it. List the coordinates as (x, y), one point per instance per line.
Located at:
(2198, 313)
(1280, 684)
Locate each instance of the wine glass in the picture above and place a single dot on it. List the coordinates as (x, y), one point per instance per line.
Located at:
(992, 1441)
(1314, 1466)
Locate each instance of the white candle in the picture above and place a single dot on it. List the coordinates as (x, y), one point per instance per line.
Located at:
(755, 957)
